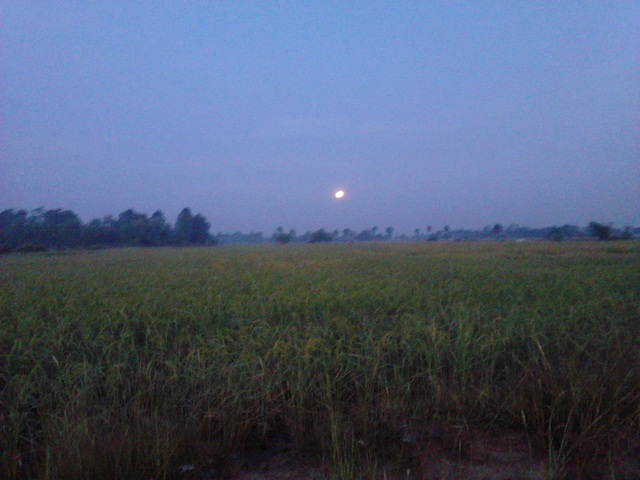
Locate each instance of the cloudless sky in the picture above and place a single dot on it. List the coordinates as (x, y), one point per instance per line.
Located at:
(254, 113)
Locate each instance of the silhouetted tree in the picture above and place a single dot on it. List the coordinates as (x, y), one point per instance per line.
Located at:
(497, 229)
(555, 235)
(183, 227)
(199, 230)
(13, 229)
(159, 229)
(61, 228)
(55, 228)
(603, 232)
(239, 238)
(281, 237)
(320, 236)
(364, 236)
(132, 228)
(191, 230)
(104, 232)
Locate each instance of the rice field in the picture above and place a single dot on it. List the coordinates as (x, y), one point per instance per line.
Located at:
(179, 363)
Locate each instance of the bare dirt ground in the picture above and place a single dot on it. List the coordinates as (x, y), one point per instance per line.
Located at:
(430, 453)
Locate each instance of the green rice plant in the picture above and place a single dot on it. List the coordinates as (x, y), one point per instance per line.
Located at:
(131, 363)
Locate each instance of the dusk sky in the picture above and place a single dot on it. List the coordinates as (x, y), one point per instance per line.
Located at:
(255, 113)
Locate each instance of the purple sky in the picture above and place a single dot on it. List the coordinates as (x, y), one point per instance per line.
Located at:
(254, 113)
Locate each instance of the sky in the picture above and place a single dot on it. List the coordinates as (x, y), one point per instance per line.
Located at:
(253, 113)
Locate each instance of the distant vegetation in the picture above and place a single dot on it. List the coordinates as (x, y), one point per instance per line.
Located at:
(496, 232)
(41, 229)
(57, 229)
(174, 363)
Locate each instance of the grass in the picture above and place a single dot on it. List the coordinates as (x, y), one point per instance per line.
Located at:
(129, 363)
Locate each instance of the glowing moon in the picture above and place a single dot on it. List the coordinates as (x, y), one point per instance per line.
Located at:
(339, 194)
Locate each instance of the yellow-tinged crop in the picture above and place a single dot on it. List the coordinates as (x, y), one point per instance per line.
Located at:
(126, 363)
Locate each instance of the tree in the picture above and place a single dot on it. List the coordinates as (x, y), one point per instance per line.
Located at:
(389, 231)
(13, 226)
(191, 230)
(320, 236)
(364, 236)
(497, 229)
(199, 230)
(102, 231)
(55, 228)
(603, 232)
(159, 229)
(61, 228)
(183, 227)
(13, 229)
(281, 237)
(558, 234)
(555, 234)
(132, 228)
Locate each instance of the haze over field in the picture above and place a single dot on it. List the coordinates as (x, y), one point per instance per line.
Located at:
(256, 113)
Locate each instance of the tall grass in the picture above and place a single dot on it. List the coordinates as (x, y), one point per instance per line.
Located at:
(130, 363)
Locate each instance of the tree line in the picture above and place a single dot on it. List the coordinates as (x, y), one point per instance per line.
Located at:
(429, 233)
(43, 229)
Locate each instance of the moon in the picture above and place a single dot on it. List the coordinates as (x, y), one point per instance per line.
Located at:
(339, 194)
